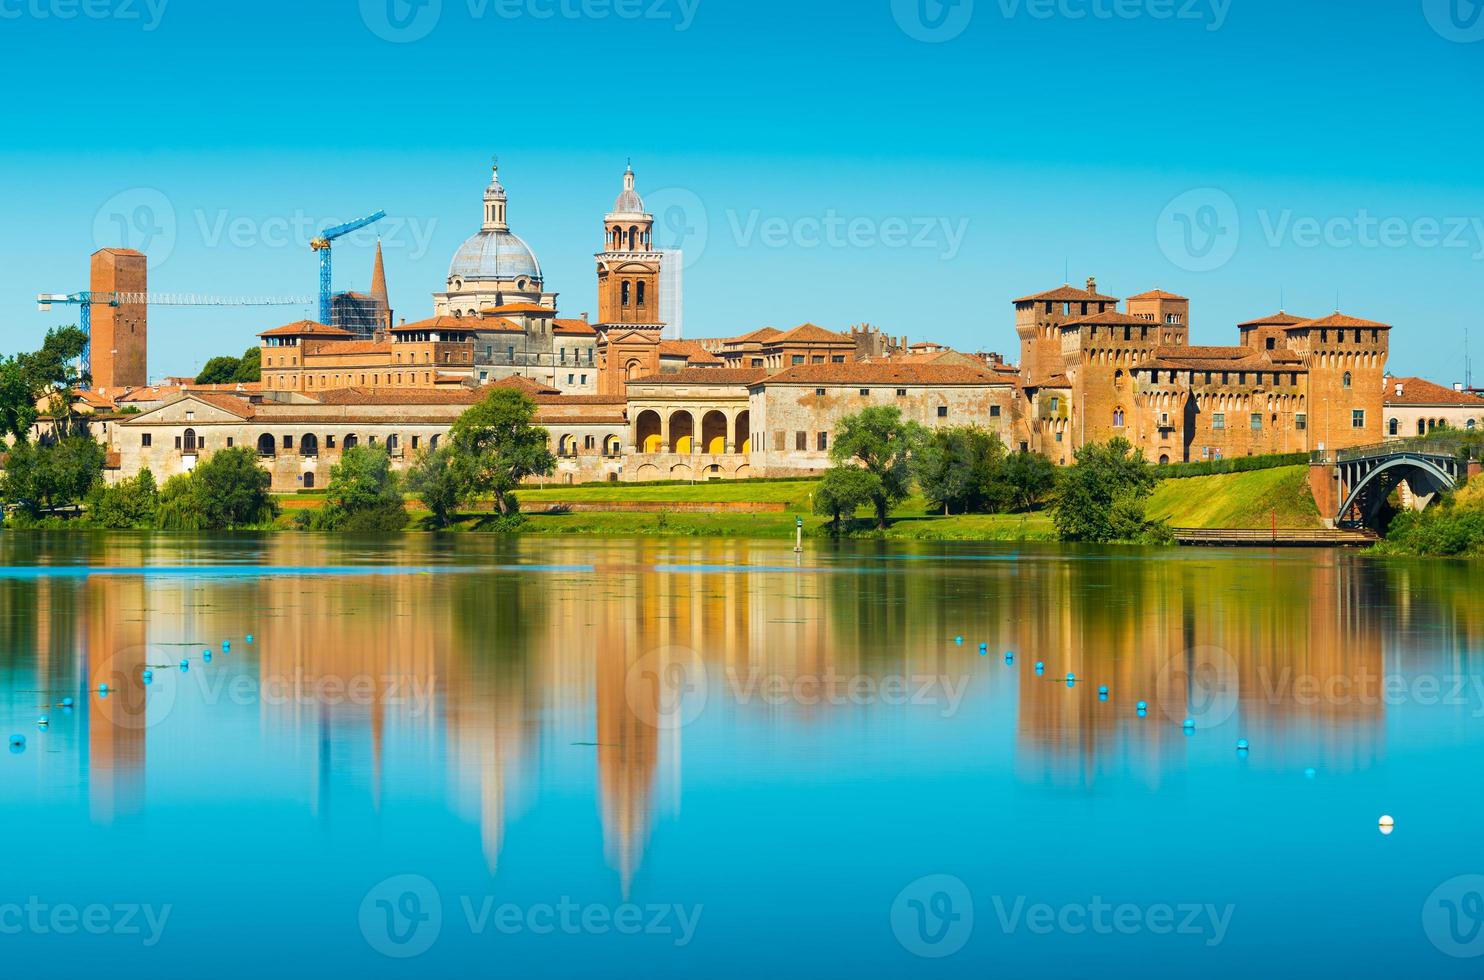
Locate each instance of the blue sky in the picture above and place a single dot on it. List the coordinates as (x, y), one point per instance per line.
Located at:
(900, 162)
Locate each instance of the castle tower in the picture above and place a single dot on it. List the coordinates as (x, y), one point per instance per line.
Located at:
(1346, 357)
(1170, 312)
(1038, 320)
(119, 343)
(628, 293)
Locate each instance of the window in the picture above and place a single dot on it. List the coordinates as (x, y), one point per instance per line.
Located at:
(288, 442)
(1055, 402)
(901, 392)
(1117, 418)
(1357, 419)
(1058, 437)
(1256, 421)
(823, 441)
(1272, 343)
(801, 441)
(329, 442)
(1301, 421)
(1218, 420)
(1347, 379)
(414, 441)
(510, 353)
(797, 359)
(624, 289)
(942, 411)
(582, 379)
(994, 411)
(146, 440)
(1469, 425)
(865, 392)
(837, 359)
(1394, 427)
(229, 442)
(639, 289)
(569, 378)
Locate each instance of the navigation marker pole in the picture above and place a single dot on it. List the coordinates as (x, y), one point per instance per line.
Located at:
(798, 535)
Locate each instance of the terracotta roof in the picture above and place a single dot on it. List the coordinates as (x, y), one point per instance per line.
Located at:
(497, 324)
(150, 393)
(572, 326)
(396, 396)
(691, 350)
(1109, 318)
(121, 251)
(306, 328)
(808, 333)
(229, 387)
(704, 375)
(1343, 321)
(351, 347)
(93, 398)
(450, 379)
(1420, 391)
(228, 403)
(437, 323)
(885, 373)
(1279, 319)
(518, 308)
(1160, 294)
(756, 337)
(528, 385)
(610, 400)
(1067, 294)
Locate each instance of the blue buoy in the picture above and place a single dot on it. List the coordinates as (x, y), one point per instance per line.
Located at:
(249, 637)
(1310, 773)
(959, 640)
(66, 702)
(147, 676)
(1103, 689)
(17, 743)
(1142, 705)
(206, 656)
(1071, 677)
(226, 644)
(1009, 657)
(1241, 745)
(103, 689)
(1189, 724)
(1142, 713)
(185, 665)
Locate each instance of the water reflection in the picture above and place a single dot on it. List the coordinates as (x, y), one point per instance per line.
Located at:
(360, 688)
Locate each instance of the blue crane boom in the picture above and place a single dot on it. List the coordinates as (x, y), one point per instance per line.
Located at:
(322, 246)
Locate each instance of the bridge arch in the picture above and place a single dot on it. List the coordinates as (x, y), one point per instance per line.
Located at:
(1369, 483)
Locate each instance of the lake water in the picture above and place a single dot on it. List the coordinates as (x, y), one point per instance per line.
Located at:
(532, 757)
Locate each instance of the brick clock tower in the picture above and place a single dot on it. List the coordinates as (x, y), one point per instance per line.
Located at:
(628, 322)
(119, 344)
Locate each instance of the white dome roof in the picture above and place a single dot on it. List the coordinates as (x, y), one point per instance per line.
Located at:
(495, 255)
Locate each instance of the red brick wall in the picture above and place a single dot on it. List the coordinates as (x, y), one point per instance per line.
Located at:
(120, 340)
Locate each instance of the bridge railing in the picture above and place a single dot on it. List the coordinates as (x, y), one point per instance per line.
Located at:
(1457, 444)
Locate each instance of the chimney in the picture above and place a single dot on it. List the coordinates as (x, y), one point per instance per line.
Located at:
(584, 316)
(1398, 389)
(1458, 386)
(1092, 284)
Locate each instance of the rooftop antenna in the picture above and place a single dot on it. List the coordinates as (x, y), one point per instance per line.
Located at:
(1468, 367)
(1281, 307)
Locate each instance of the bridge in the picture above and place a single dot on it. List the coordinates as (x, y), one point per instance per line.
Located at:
(1352, 485)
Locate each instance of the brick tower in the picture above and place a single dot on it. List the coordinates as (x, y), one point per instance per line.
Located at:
(628, 292)
(1346, 357)
(120, 339)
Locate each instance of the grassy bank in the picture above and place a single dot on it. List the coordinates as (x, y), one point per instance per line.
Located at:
(1453, 528)
(1238, 501)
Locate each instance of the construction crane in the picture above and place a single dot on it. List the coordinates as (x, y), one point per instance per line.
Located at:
(86, 300)
(322, 246)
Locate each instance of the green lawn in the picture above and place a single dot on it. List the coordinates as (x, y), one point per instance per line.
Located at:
(794, 494)
(1238, 500)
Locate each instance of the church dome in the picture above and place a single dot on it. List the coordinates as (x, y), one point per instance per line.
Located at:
(629, 201)
(495, 254)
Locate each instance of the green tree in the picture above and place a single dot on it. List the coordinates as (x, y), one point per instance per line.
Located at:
(250, 367)
(883, 443)
(50, 373)
(498, 444)
(44, 477)
(956, 468)
(1102, 496)
(364, 494)
(1022, 480)
(228, 490)
(130, 503)
(437, 479)
(226, 369)
(843, 490)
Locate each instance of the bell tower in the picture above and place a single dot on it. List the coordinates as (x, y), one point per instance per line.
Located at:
(628, 325)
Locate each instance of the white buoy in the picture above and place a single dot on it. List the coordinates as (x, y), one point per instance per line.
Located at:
(1386, 824)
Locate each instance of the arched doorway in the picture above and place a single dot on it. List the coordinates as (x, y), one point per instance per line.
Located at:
(267, 445)
(308, 481)
(351, 441)
(647, 432)
(714, 433)
(612, 446)
(682, 433)
(744, 433)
